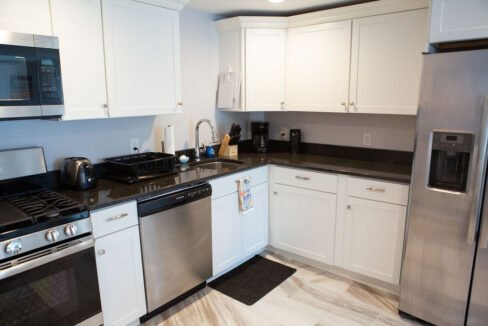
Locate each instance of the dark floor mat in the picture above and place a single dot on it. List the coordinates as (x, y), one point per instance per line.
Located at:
(252, 280)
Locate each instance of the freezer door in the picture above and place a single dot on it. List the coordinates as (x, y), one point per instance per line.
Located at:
(478, 307)
(442, 222)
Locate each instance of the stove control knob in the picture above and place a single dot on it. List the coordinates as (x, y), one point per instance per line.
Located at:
(13, 247)
(52, 235)
(70, 230)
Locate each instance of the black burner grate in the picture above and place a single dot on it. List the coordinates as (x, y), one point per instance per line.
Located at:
(45, 204)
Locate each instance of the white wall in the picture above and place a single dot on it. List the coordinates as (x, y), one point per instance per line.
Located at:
(387, 131)
(98, 139)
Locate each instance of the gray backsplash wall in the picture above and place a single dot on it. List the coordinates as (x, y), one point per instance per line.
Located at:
(98, 139)
(387, 131)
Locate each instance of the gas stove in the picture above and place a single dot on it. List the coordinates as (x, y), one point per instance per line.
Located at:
(33, 217)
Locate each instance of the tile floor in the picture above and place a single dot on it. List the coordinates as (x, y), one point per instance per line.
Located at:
(309, 297)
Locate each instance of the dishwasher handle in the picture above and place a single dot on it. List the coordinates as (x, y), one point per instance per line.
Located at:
(163, 203)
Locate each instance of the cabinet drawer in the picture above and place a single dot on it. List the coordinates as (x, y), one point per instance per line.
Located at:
(378, 190)
(113, 219)
(227, 185)
(305, 179)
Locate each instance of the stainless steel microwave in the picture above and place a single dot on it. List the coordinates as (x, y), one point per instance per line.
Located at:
(30, 77)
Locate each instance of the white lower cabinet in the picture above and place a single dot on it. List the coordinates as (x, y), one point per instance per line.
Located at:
(303, 222)
(357, 224)
(226, 233)
(255, 223)
(373, 238)
(235, 236)
(119, 264)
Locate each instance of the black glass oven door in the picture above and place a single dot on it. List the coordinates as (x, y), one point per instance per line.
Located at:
(19, 85)
(61, 292)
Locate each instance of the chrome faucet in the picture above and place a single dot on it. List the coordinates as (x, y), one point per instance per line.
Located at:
(197, 137)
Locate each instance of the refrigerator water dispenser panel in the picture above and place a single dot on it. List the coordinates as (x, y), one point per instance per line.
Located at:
(449, 162)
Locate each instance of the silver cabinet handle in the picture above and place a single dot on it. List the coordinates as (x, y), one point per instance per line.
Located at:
(117, 217)
(179, 103)
(275, 192)
(474, 210)
(101, 252)
(302, 178)
(348, 206)
(105, 105)
(375, 189)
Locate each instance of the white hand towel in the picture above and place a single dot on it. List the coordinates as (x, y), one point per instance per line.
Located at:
(246, 203)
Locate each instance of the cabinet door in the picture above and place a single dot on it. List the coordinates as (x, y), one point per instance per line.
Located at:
(317, 67)
(119, 268)
(373, 238)
(255, 223)
(386, 62)
(78, 24)
(226, 233)
(458, 20)
(265, 69)
(142, 57)
(303, 222)
(26, 16)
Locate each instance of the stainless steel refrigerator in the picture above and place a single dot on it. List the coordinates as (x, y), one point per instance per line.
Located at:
(445, 268)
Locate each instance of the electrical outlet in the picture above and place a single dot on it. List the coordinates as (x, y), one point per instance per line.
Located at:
(367, 139)
(134, 145)
(284, 133)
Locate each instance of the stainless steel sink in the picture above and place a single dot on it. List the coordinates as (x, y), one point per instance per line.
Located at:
(219, 164)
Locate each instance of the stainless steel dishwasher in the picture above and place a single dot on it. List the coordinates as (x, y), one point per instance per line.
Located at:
(176, 238)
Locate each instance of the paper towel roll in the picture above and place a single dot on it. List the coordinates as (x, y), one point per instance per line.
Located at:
(169, 139)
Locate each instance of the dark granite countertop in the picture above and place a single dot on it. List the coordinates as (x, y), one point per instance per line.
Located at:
(110, 192)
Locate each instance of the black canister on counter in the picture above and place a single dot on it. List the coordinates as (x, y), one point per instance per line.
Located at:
(295, 141)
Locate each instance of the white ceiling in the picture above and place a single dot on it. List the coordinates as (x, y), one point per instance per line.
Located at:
(263, 7)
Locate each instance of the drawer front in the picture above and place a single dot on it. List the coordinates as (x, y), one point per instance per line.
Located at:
(113, 219)
(305, 179)
(228, 184)
(387, 192)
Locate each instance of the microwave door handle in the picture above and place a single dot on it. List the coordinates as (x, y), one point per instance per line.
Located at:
(36, 262)
(476, 199)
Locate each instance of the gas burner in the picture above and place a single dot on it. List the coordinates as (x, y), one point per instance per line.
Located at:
(44, 204)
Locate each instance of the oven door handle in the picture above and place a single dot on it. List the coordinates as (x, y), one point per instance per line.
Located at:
(36, 262)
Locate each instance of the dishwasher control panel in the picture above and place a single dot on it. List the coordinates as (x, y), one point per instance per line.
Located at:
(164, 202)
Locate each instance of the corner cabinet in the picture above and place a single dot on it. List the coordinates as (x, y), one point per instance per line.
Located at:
(142, 55)
(237, 237)
(303, 213)
(119, 264)
(259, 55)
(458, 20)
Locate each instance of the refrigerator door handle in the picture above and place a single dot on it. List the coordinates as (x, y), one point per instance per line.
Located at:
(483, 242)
(474, 211)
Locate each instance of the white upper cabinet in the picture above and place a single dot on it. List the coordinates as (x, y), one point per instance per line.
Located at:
(386, 62)
(26, 16)
(358, 59)
(458, 20)
(265, 69)
(317, 68)
(142, 55)
(78, 24)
